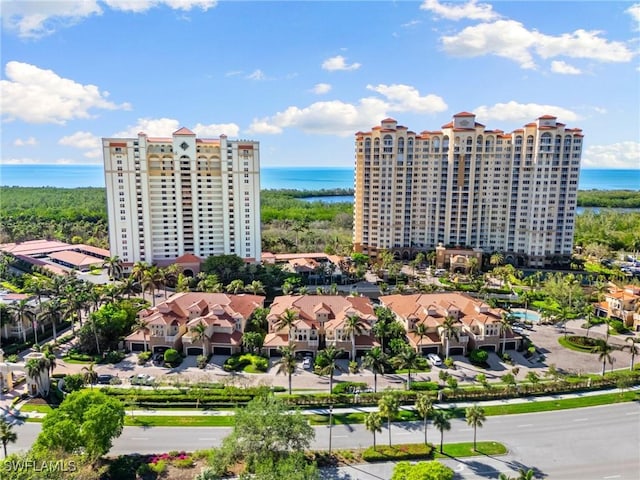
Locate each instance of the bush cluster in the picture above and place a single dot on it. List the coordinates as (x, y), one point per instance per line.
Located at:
(248, 361)
(425, 386)
(478, 357)
(348, 387)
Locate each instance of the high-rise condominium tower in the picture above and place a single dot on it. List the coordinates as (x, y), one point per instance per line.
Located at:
(171, 196)
(463, 185)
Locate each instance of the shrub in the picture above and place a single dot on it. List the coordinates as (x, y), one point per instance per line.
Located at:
(506, 357)
(13, 358)
(618, 327)
(424, 386)
(159, 467)
(348, 387)
(113, 357)
(432, 470)
(172, 357)
(353, 367)
(448, 362)
(73, 382)
(202, 361)
(186, 462)
(143, 357)
(478, 357)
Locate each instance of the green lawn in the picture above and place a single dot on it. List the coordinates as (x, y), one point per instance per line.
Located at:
(459, 450)
(527, 407)
(182, 421)
(35, 408)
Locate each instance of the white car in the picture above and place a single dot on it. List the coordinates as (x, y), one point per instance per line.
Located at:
(434, 360)
(306, 363)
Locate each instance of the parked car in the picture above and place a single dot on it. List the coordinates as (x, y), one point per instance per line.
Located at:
(105, 378)
(142, 379)
(434, 360)
(307, 363)
(440, 272)
(158, 359)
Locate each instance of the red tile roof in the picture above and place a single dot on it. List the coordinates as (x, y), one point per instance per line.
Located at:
(183, 131)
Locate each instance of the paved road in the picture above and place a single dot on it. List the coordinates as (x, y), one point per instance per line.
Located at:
(587, 443)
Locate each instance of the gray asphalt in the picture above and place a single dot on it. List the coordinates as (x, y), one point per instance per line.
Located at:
(582, 444)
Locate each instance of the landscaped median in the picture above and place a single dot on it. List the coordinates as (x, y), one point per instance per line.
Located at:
(419, 451)
(224, 418)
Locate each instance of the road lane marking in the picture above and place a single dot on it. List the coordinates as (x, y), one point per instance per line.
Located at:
(206, 439)
(526, 425)
(341, 436)
(613, 476)
(632, 413)
(140, 438)
(580, 419)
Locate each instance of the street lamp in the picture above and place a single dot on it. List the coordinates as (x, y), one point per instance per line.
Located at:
(330, 425)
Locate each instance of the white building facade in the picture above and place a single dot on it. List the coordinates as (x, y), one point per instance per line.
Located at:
(464, 185)
(170, 196)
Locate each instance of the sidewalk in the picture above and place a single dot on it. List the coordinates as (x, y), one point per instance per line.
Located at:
(345, 410)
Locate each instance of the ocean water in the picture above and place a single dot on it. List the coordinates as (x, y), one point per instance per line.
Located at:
(299, 178)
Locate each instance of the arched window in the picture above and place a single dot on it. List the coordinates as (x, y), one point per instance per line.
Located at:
(545, 139)
(401, 145)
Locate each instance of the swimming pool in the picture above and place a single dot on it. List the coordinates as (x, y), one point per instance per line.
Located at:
(526, 315)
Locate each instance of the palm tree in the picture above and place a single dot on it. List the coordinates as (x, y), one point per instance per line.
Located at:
(424, 406)
(506, 322)
(496, 259)
(151, 281)
(35, 367)
(22, 311)
(287, 363)
(89, 375)
(633, 349)
(373, 423)
(442, 423)
(353, 325)
(141, 325)
(475, 417)
(407, 359)
(7, 435)
(603, 349)
(199, 334)
(114, 267)
(450, 330)
(235, 287)
(525, 474)
(376, 361)
(388, 406)
(51, 311)
(255, 287)
(331, 355)
(421, 330)
(286, 320)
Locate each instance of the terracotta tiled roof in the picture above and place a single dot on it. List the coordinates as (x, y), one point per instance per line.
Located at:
(219, 338)
(188, 258)
(183, 131)
(275, 340)
(464, 114)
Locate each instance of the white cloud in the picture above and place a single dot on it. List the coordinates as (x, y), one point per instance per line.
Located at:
(153, 127)
(19, 142)
(471, 10)
(216, 129)
(617, 155)
(634, 11)
(338, 63)
(343, 119)
(523, 112)
(35, 19)
(411, 23)
(510, 39)
(35, 95)
(138, 6)
(256, 75)
(321, 88)
(405, 98)
(558, 66)
(164, 127)
(84, 141)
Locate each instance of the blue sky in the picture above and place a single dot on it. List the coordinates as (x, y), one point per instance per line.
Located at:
(302, 77)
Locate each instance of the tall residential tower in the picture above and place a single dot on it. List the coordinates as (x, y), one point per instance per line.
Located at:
(463, 185)
(167, 197)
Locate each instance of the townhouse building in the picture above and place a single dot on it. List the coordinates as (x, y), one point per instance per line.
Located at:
(622, 304)
(476, 324)
(320, 321)
(174, 323)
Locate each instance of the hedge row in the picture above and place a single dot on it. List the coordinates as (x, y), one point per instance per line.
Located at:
(384, 453)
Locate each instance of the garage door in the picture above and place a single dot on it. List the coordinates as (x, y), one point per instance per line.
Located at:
(194, 351)
(428, 350)
(137, 347)
(161, 349)
(275, 352)
(510, 345)
(489, 348)
(222, 350)
(456, 351)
